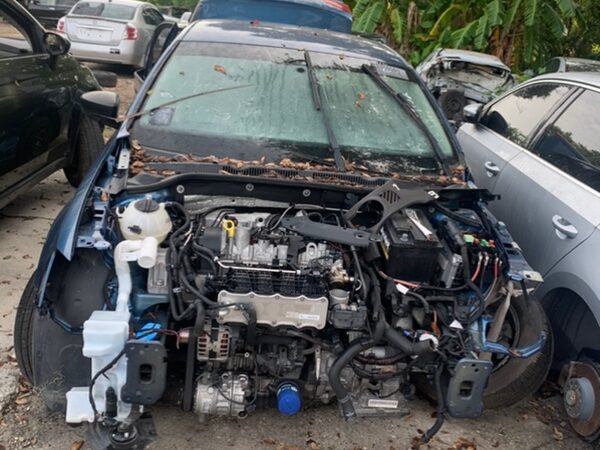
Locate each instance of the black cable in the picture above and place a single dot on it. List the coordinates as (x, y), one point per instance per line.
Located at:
(188, 384)
(109, 366)
(441, 408)
(453, 215)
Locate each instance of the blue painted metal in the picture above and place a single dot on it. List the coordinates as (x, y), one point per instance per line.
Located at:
(478, 331)
(327, 14)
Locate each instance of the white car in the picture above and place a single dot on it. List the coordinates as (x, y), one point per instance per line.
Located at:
(110, 31)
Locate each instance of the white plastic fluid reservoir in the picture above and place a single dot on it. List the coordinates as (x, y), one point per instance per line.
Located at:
(144, 218)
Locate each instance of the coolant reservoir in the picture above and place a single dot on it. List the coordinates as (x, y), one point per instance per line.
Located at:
(145, 218)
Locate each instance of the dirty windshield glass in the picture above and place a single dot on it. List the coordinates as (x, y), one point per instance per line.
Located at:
(270, 112)
(104, 10)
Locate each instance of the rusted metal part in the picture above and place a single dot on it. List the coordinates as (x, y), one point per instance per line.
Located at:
(589, 428)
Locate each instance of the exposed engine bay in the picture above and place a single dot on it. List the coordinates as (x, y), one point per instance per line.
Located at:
(260, 303)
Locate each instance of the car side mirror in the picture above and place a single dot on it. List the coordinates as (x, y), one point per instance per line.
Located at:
(102, 106)
(472, 112)
(55, 44)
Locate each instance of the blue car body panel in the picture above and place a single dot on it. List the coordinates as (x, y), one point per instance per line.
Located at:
(305, 13)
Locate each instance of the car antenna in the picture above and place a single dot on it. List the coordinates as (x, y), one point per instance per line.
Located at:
(407, 107)
(315, 88)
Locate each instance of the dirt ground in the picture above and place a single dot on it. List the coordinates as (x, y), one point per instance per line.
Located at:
(535, 423)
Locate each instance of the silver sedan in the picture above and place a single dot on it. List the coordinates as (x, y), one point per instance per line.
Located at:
(110, 31)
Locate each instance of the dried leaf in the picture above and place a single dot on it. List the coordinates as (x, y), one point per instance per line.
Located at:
(77, 445)
(558, 435)
(220, 69)
(361, 96)
(270, 441)
(23, 400)
(313, 445)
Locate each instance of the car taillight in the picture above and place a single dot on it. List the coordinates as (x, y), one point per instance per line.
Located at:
(130, 33)
(338, 5)
(60, 26)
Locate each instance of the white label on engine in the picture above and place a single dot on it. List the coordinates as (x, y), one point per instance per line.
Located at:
(379, 403)
(308, 317)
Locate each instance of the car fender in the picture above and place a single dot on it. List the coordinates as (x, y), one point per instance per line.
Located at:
(582, 281)
(62, 236)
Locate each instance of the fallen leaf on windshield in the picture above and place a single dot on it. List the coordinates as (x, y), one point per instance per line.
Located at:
(220, 69)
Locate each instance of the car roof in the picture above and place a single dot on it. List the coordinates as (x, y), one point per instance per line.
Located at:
(589, 78)
(285, 36)
(117, 2)
(472, 57)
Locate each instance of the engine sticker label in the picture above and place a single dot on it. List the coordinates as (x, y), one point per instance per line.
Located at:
(315, 317)
(380, 403)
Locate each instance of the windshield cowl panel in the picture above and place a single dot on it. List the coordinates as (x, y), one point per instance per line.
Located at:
(163, 164)
(256, 102)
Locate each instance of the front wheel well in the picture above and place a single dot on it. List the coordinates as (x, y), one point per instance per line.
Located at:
(576, 331)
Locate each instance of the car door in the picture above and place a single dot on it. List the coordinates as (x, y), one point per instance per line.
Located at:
(550, 193)
(151, 18)
(30, 122)
(504, 127)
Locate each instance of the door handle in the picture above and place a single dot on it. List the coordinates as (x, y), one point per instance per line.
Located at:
(564, 229)
(491, 168)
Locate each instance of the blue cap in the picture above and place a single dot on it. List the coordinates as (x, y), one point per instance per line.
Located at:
(288, 399)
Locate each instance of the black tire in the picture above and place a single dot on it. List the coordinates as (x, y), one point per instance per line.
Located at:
(88, 145)
(452, 103)
(23, 331)
(515, 378)
(518, 378)
(105, 78)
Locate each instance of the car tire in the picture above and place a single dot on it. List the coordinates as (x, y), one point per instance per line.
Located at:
(105, 78)
(88, 145)
(452, 103)
(23, 331)
(521, 377)
(517, 378)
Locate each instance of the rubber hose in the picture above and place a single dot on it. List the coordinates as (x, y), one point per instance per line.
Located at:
(188, 386)
(441, 409)
(396, 339)
(360, 345)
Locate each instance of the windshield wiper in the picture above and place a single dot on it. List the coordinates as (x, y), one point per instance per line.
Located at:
(407, 107)
(316, 96)
(144, 112)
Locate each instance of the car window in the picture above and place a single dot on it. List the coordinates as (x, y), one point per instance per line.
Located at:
(572, 143)
(53, 3)
(552, 66)
(151, 16)
(516, 115)
(14, 41)
(105, 10)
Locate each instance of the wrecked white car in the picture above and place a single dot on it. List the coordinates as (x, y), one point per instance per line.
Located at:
(459, 77)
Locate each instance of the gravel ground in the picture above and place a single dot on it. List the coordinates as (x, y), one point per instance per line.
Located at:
(536, 423)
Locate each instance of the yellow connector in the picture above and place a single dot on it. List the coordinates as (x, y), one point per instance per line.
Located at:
(229, 227)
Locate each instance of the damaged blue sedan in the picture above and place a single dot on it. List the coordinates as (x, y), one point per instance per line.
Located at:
(280, 220)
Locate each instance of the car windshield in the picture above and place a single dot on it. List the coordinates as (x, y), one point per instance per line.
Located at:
(104, 10)
(270, 110)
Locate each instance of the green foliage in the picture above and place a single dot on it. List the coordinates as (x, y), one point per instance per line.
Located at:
(523, 33)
